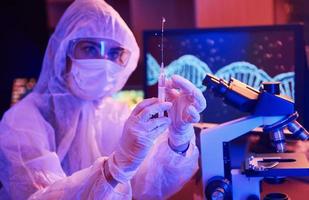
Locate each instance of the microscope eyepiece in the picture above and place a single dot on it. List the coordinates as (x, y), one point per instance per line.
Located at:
(219, 86)
(271, 87)
(234, 92)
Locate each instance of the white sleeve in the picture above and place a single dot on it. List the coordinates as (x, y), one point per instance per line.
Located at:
(28, 169)
(89, 183)
(164, 172)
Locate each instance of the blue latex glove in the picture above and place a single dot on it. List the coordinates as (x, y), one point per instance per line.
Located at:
(188, 101)
(139, 133)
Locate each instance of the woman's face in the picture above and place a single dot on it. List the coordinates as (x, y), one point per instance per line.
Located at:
(94, 67)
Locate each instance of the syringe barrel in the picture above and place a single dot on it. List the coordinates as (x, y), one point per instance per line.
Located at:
(161, 88)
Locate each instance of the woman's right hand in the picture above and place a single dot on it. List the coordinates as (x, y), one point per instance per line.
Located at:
(139, 133)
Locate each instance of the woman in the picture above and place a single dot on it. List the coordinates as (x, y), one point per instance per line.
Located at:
(69, 140)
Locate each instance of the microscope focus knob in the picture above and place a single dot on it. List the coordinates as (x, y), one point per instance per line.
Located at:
(271, 87)
(218, 188)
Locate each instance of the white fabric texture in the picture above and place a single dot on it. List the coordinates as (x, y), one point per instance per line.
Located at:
(53, 144)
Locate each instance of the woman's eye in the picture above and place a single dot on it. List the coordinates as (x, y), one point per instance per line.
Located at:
(114, 54)
(91, 51)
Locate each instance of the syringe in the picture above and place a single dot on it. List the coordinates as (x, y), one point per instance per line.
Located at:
(161, 79)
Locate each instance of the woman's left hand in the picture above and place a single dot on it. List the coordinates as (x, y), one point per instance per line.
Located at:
(188, 101)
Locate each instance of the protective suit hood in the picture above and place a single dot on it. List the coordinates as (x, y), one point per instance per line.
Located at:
(85, 19)
(77, 121)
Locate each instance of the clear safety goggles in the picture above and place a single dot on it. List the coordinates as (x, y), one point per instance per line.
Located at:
(98, 48)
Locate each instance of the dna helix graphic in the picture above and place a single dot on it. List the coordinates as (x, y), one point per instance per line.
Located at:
(187, 66)
(194, 69)
(153, 70)
(245, 72)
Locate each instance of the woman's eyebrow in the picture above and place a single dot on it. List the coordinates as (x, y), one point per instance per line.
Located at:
(91, 43)
(117, 49)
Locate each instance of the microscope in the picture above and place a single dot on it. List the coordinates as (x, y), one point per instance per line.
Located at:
(268, 110)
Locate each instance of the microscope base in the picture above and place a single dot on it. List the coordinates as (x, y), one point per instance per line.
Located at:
(244, 187)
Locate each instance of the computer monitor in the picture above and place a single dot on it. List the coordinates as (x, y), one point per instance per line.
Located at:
(249, 54)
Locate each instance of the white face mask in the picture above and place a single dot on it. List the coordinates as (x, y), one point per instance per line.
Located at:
(93, 78)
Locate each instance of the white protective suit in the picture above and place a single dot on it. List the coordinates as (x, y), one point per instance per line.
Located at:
(53, 144)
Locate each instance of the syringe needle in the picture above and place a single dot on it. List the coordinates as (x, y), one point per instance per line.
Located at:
(161, 78)
(162, 36)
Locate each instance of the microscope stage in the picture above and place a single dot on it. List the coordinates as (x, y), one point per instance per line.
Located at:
(276, 164)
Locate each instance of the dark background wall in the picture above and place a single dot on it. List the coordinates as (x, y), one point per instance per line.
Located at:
(300, 13)
(23, 40)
